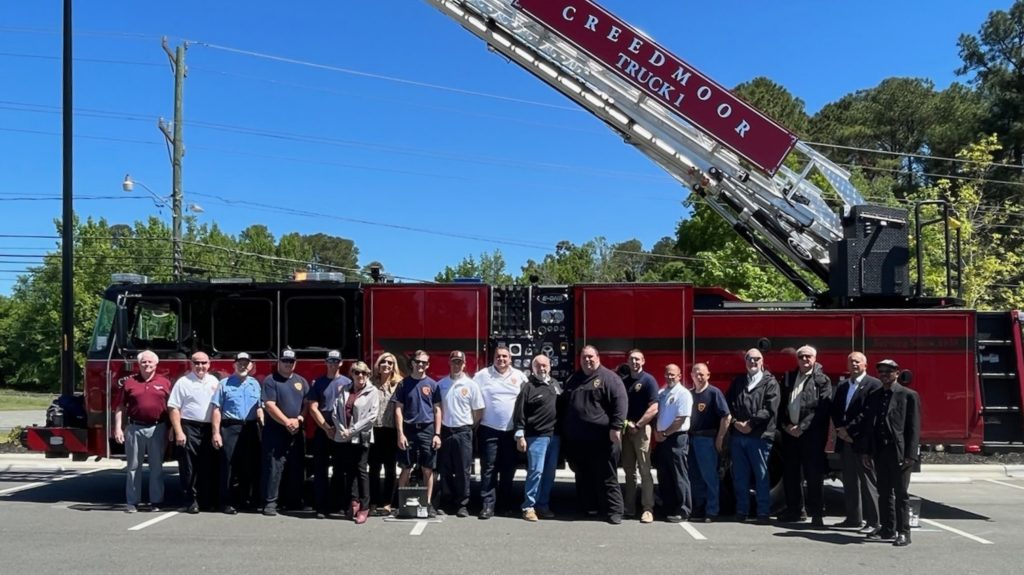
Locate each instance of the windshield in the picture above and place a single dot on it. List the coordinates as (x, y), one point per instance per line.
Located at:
(103, 329)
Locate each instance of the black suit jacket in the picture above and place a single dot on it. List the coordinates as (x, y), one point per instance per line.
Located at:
(902, 419)
(853, 417)
(815, 401)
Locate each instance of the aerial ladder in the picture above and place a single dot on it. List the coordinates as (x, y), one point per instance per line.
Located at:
(731, 155)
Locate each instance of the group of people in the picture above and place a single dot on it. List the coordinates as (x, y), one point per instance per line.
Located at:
(242, 443)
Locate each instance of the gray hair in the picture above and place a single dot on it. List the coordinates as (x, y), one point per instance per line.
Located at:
(147, 353)
(807, 349)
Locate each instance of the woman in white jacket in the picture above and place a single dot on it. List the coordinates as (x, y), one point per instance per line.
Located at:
(355, 411)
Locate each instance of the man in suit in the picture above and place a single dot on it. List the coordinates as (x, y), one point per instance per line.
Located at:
(894, 433)
(803, 421)
(848, 416)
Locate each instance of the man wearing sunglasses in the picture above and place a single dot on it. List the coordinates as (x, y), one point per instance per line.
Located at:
(893, 434)
(753, 399)
(417, 404)
(284, 444)
(191, 413)
(803, 420)
(237, 415)
(326, 452)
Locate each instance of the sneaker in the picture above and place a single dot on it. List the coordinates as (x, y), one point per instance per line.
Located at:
(868, 529)
(545, 513)
(269, 511)
(462, 512)
(130, 509)
(674, 519)
(194, 508)
(154, 507)
(646, 517)
(229, 510)
(320, 515)
(529, 514)
(361, 516)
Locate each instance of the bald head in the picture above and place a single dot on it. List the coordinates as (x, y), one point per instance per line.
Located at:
(857, 364)
(754, 360)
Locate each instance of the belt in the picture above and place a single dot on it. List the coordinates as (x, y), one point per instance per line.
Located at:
(705, 432)
(142, 423)
(457, 428)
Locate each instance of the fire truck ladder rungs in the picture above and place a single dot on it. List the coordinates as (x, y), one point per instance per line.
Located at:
(784, 215)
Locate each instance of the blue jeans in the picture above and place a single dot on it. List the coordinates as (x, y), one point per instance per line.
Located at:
(750, 455)
(541, 463)
(704, 474)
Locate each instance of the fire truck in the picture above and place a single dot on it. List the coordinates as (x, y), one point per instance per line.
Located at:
(967, 365)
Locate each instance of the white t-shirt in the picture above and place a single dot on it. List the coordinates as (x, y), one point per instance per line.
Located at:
(193, 397)
(500, 393)
(674, 402)
(459, 399)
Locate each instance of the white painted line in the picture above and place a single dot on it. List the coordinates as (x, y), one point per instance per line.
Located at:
(27, 486)
(957, 531)
(1005, 484)
(693, 531)
(153, 521)
(418, 528)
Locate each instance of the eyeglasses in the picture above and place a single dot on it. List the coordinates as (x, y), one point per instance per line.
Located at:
(420, 362)
(362, 373)
(805, 356)
(457, 360)
(332, 360)
(885, 372)
(387, 362)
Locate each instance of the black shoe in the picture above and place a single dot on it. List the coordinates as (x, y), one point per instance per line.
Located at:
(462, 512)
(674, 519)
(763, 520)
(486, 513)
(270, 511)
(229, 510)
(740, 518)
(193, 509)
(818, 522)
(902, 540)
(431, 512)
(615, 519)
(711, 519)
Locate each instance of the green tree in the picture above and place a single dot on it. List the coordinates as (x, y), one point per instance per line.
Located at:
(490, 268)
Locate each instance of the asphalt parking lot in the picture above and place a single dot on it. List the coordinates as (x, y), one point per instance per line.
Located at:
(71, 520)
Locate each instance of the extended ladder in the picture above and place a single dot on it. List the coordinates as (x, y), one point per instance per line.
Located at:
(654, 104)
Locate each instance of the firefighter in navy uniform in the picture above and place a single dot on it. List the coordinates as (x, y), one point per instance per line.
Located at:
(326, 452)
(893, 433)
(283, 439)
(595, 410)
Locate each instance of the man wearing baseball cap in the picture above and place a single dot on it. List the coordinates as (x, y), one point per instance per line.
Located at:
(326, 452)
(283, 441)
(893, 433)
(462, 406)
(237, 415)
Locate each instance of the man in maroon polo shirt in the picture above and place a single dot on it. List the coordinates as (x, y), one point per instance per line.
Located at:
(140, 423)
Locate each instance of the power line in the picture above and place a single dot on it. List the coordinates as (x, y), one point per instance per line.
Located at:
(916, 155)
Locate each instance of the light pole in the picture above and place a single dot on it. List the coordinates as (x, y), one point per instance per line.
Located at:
(129, 184)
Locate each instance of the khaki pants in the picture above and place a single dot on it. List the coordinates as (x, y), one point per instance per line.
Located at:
(636, 453)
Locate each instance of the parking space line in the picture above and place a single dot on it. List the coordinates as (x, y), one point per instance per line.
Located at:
(153, 521)
(33, 485)
(693, 531)
(957, 531)
(1004, 484)
(418, 528)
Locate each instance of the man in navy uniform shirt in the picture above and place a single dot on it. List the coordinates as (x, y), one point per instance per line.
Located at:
(417, 403)
(642, 392)
(284, 443)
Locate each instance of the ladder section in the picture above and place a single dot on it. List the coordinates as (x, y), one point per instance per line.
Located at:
(668, 111)
(999, 358)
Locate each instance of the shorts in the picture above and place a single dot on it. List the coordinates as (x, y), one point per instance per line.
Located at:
(420, 437)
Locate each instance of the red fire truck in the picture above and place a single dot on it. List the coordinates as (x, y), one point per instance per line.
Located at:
(968, 366)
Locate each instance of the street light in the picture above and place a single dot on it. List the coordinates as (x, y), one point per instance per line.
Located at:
(129, 184)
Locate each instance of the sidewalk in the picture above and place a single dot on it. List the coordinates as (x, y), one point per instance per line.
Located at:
(12, 419)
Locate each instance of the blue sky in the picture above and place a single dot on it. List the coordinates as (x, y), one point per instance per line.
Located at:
(410, 121)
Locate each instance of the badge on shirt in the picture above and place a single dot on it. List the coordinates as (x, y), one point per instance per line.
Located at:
(425, 390)
(671, 401)
(701, 407)
(464, 392)
(597, 383)
(298, 386)
(637, 387)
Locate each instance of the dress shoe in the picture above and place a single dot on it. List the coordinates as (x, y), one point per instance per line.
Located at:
(763, 520)
(674, 519)
(902, 540)
(740, 517)
(545, 513)
(462, 512)
(849, 524)
(880, 535)
(486, 513)
(229, 510)
(615, 519)
(710, 519)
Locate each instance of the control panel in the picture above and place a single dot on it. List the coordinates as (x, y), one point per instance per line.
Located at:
(533, 320)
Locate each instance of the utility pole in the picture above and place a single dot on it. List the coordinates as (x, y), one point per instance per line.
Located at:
(174, 139)
(67, 340)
